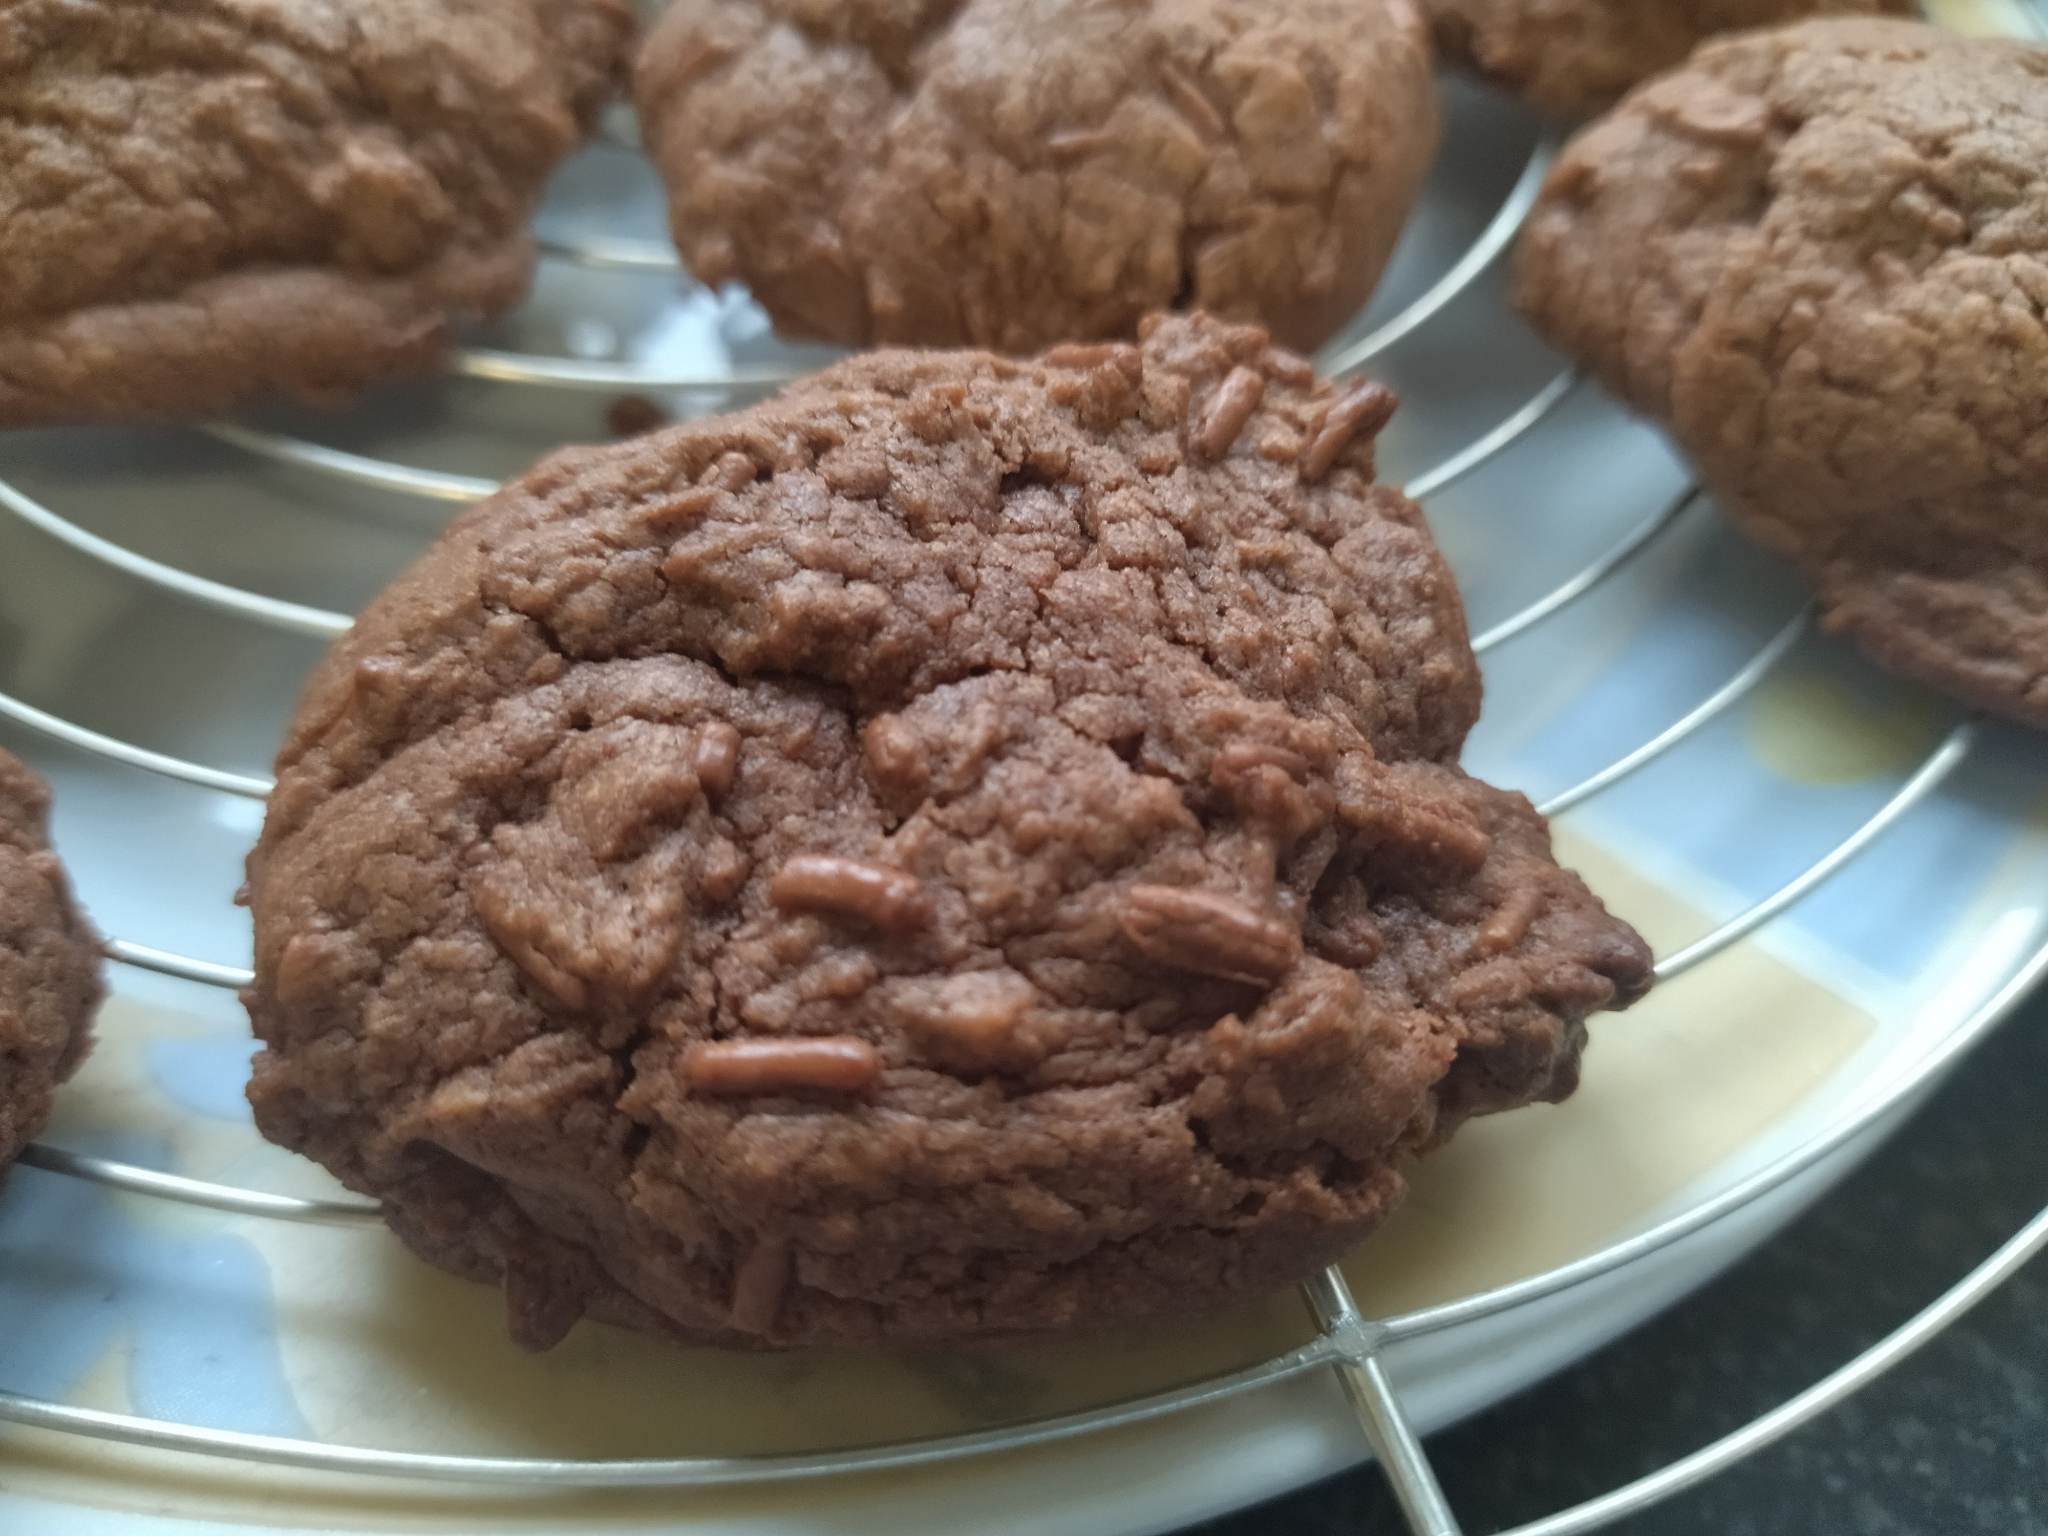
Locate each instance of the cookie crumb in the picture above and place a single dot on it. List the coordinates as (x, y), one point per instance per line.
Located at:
(631, 415)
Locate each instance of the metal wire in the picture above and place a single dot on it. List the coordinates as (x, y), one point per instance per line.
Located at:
(570, 373)
(211, 594)
(1946, 759)
(1632, 544)
(355, 468)
(1463, 273)
(100, 745)
(1483, 448)
(576, 373)
(609, 253)
(1396, 1446)
(1858, 1116)
(406, 480)
(218, 1197)
(1346, 1342)
(166, 962)
(667, 1472)
(1919, 1331)
(1717, 703)
(1363, 1379)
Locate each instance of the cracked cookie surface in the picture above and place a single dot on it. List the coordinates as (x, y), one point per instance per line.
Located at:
(49, 964)
(965, 847)
(1820, 256)
(227, 200)
(1572, 58)
(1017, 173)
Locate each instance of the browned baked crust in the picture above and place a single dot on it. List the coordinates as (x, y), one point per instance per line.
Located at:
(964, 847)
(49, 964)
(1572, 58)
(1016, 173)
(1820, 256)
(204, 203)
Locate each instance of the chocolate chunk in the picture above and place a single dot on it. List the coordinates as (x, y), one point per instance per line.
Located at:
(1201, 931)
(1229, 409)
(839, 1065)
(890, 899)
(1360, 412)
(1510, 922)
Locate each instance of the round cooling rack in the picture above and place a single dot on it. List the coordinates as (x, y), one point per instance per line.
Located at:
(181, 1304)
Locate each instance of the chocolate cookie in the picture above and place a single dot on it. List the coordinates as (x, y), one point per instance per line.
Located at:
(1016, 173)
(1820, 256)
(1572, 58)
(965, 847)
(49, 964)
(202, 204)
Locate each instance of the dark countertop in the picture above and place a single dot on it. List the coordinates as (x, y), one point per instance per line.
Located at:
(1954, 1442)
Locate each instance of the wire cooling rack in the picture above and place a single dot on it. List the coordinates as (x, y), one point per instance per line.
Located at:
(1347, 1343)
